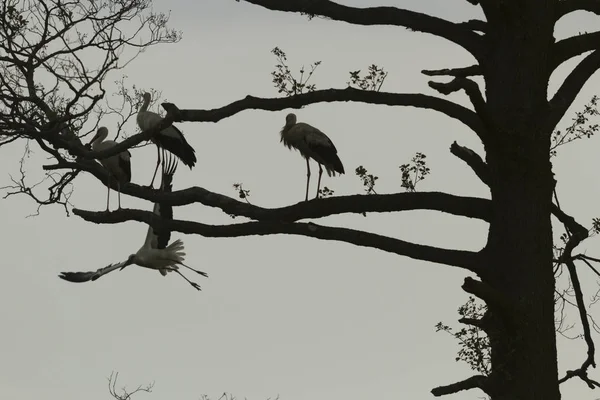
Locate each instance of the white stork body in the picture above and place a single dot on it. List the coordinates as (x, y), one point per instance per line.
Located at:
(311, 143)
(118, 166)
(170, 139)
(154, 253)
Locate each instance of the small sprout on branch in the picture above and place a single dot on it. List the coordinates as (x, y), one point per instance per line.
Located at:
(242, 193)
(414, 172)
(325, 192)
(475, 345)
(367, 179)
(283, 79)
(580, 128)
(373, 80)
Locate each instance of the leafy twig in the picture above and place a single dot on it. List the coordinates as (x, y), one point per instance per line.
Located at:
(283, 79)
(414, 172)
(373, 80)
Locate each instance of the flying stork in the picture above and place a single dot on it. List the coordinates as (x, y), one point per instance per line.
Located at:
(311, 143)
(170, 139)
(118, 166)
(155, 253)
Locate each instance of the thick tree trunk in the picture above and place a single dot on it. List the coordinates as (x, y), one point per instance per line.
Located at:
(521, 326)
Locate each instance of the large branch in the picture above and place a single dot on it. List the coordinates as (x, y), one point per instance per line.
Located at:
(381, 16)
(453, 110)
(471, 207)
(458, 258)
(570, 88)
(572, 47)
(568, 6)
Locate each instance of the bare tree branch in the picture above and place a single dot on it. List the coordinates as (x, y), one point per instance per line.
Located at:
(567, 257)
(125, 395)
(458, 258)
(418, 100)
(317, 208)
(477, 381)
(471, 89)
(464, 72)
(380, 16)
(487, 293)
(473, 160)
(574, 46)
(568, 6)
(570, 88)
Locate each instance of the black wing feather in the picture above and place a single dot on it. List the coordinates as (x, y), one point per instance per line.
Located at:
(178, 146)
(328, 153)
(79, 277)
(165, 210)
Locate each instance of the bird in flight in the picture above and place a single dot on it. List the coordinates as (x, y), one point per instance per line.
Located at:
(155, 253)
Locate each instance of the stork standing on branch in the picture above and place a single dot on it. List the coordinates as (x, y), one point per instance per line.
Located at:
(155, 253)
(118, 166)
(170, 139)
(311, 143)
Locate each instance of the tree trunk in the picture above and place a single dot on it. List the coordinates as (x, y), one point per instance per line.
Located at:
(521, 325)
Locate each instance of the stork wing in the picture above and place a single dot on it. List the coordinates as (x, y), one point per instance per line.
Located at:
(319, 142)
(160, 239)
(78, 277)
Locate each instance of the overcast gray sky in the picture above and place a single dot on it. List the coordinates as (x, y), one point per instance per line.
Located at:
(293, 316)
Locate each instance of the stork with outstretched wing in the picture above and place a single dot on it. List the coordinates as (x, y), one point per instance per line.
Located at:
(155, 253)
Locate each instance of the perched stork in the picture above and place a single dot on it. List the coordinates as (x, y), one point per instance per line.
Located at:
(155, 253)
(118, 166)
(311, 143)
(170, 139)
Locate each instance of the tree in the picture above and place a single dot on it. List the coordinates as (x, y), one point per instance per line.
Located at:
(515, 54)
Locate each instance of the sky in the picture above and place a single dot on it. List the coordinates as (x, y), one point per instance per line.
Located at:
(279, 315)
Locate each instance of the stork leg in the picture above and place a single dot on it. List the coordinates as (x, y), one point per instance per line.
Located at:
(119, 193)
(157, 164)
(108, 193)
(319, 182)
(307, 178)
(195, 270)
(194, 284)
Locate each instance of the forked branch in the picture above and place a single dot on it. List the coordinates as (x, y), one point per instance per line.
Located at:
(458, 258)
(381, 16)
(567, 257)
(453, 110)
(471, 207)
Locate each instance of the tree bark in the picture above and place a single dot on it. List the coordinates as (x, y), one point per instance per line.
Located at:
(519, 245)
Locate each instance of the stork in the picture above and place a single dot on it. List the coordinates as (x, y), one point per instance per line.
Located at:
(118, 166)
(170, 139)
(311, 143)
(155, 253)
